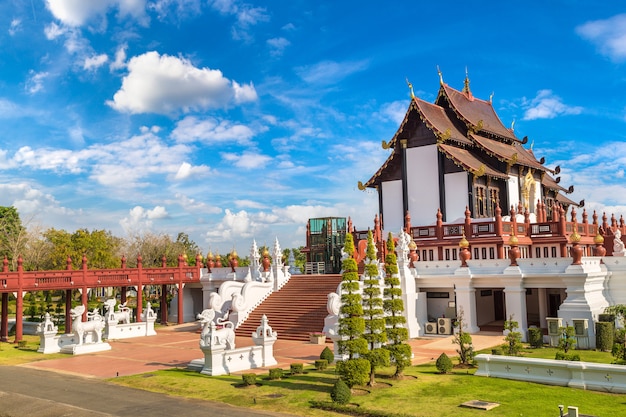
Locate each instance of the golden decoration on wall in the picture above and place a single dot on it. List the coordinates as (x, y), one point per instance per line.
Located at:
(386, 145)
(361, 186)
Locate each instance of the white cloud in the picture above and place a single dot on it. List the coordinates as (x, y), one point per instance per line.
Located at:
(141, 219)
(53, 31)
(249, 204)
(609, 36)
(234, 226)
(330, 72)
(79, 12)
(95, 62)
(247, 160)
(16, 26)
(246, 16)
(35, 83)
(210, 130)
(394, 111)
(186, 170)
(178, 9)
(277, 45)
(546, 105)
(120, 58)
(165, 84)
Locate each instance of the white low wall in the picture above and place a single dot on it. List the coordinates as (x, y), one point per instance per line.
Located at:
(128, 330)
(583, 375)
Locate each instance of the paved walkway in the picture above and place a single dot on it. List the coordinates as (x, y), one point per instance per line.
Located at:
(175, 346)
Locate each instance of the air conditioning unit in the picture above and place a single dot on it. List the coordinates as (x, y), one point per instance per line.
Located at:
(554, 323)
(431, 328)
(444, 325)
(581, 327)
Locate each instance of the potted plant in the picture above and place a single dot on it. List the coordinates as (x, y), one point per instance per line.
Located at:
(317, 338)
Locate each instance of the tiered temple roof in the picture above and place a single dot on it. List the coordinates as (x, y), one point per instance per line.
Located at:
(467, 131)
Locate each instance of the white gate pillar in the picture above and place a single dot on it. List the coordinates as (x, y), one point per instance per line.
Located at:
(466, 298)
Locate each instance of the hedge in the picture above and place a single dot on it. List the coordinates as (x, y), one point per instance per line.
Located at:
(604, 336)
(535, 337)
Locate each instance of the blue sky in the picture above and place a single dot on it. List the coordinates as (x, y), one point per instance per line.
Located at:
(237, 120)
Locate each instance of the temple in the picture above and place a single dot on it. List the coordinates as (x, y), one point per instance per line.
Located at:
(491, 231)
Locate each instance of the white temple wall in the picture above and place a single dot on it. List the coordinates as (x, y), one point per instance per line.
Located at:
(393, 218)
(513, 185)
(422, 185)
(436, 307)
(456, 196)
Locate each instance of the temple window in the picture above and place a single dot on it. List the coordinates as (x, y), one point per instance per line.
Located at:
(549, 204)
(494, 200)
(480, 200)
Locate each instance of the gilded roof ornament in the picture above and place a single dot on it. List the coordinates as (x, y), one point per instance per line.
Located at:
(491, 97)
(361, 186)
(410, 88)
(513, 126)
(386, 145)
(442, 137)
(480, 171)
(440, 75)
(466, 83)
(574, 237)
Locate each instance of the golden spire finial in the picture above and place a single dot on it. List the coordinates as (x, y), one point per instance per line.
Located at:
(513, 126)
(491, 97)
(466, 84)
(463, 243)
(440, 75)
(410, 87)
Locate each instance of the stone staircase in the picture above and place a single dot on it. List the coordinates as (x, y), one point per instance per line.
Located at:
(298, 309)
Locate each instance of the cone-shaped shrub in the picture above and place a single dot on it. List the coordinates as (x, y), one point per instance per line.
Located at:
(444, 364)
(340, 393)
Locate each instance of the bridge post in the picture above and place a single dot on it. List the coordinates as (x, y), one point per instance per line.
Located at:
(68, 307)
(164, 304)
(4, 331)
(139, 288)
(19, 300)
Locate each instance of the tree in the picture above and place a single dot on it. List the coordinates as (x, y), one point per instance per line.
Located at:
(373, 312)
(464, 341)
(99, 246)
(513, 338)
(12, 234)
(567, 339)
(394, 307)
(351, 322)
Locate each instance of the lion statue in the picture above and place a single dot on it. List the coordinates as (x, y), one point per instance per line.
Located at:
(94, 325)
(211, 335)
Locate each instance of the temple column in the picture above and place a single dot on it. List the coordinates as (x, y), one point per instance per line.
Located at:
(68, 307)
(515, 299)
(164, 304)
(465, 295)
(4, 323)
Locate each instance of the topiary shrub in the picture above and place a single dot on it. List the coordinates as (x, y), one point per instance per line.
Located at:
(354, 371)
(604, 336)
(276, 373)
(296, 368)
(321, 364)
(561, 356)
(340, 392)
(443, 364)
(328, 355)
(606, 318)
(535, 337)
(249, 379)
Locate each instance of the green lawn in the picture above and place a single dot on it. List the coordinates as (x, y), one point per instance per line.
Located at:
(422, 393)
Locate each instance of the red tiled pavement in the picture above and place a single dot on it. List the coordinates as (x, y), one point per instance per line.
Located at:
(176, 346)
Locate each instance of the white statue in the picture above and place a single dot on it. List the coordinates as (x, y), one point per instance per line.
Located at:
(618, 245)
(47, 326)
(122, 315)
(211, 335)
(94, 325)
